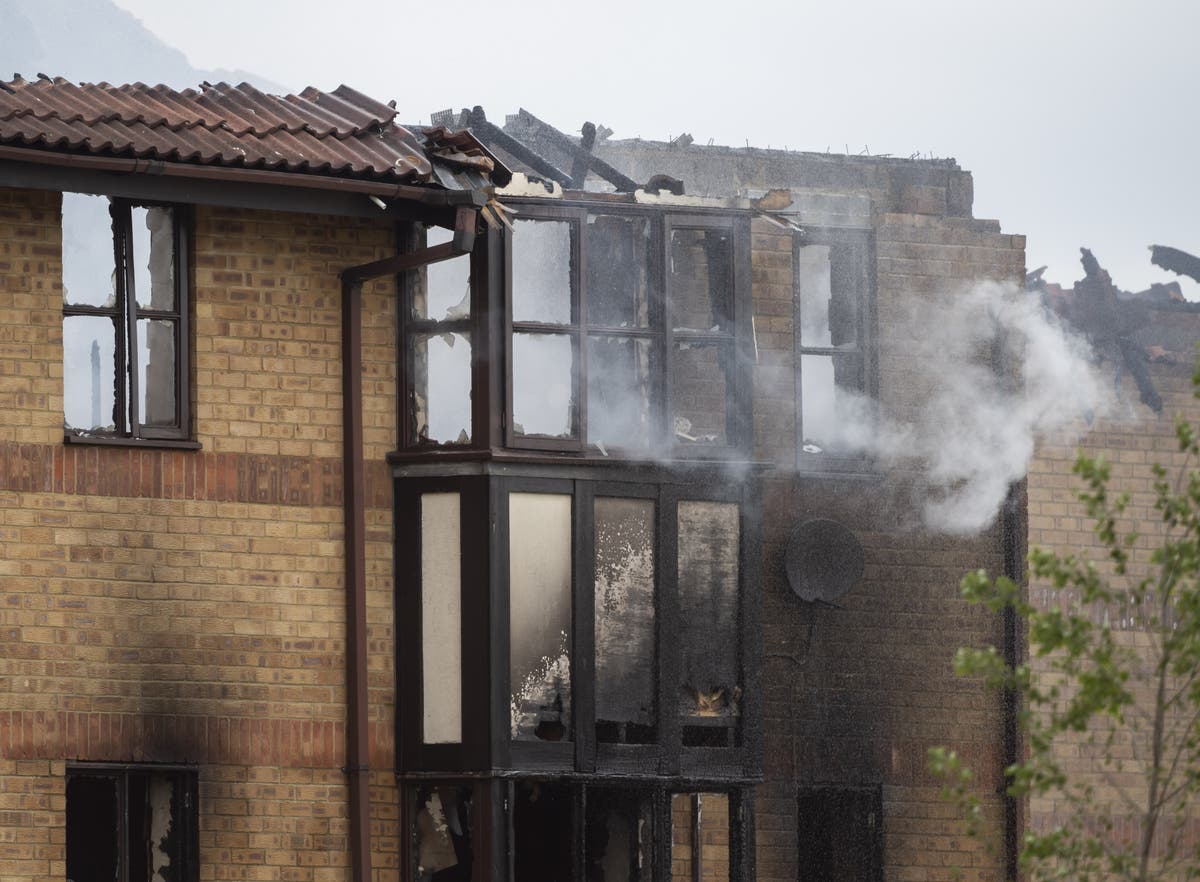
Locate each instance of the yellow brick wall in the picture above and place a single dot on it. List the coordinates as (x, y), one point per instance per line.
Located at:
(1132, 438)
(188, 606)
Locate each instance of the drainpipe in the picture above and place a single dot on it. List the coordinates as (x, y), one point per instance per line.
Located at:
(1012, 524)
(354, 504)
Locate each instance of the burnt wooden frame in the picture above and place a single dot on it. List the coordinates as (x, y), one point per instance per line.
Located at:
(738, 341)
(861, 245)
(124, 314)
(493, 837)
(187, 815)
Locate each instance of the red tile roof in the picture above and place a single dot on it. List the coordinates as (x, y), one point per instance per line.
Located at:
(342, 133)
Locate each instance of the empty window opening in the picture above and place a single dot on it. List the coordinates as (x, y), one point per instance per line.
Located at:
(543, 839)
(840, 834)
(700, 837)
(619, 844)
(130, 825)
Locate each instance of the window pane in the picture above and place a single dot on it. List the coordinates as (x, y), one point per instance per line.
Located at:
(89, 372)
(827, 298)
(447, 293)
(153, 257)
(441, 618)
(700, 396)
(442, 388)
(443, 834)
(157, 369)
(544, 379)
(625, 673)
(619, 845)
(831, 405)
(709, 546)
(541, 272)
(539, 573)
(701, 283)
(618, 292)
(620, 391)
(543, 831)
(89, 267)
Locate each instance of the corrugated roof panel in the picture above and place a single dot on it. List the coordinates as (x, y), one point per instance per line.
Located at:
(343, 133)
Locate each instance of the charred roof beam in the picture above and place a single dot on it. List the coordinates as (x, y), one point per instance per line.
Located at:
(1177, 261)
(623, 183)
(492, 134)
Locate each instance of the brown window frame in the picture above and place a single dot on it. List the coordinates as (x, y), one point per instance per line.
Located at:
(125, 313)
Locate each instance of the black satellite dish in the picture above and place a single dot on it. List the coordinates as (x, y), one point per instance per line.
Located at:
(823, 560)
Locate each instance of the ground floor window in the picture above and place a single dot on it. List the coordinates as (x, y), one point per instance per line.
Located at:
(128, 823)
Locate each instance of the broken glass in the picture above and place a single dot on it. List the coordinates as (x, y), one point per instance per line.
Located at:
(153, 257)
(700, 397)
(708, 555)
(89, 272)
(156, 372)
(441, 387)
(89, 372)
(625, 571)
(441, 618)
(617, 274)
(829, 402)
(618, 841)
(620, 391)
(539, 572)
(446, 293)
(541, 272)
(544, 371)
(443, 833)
(701, 283)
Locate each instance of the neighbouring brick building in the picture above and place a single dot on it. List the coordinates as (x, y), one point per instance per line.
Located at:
(534, 618)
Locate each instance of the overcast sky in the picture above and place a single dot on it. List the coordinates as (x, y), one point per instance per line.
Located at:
(1079, 120)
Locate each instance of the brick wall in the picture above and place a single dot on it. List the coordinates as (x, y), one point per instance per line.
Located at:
(1131, 438)
(856, 695)
(188, 606)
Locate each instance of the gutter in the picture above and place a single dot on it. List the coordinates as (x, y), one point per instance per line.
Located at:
(1012, 525)
(156, 167)
(354, 504)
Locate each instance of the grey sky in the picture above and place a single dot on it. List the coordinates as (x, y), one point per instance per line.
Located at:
(1079, 119)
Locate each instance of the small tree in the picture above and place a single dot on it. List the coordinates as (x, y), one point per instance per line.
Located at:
(1124, 700)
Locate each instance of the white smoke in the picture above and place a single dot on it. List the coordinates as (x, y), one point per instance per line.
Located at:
(993, 371)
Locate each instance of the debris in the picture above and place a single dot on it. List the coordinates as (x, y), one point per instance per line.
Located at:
(1176, 261)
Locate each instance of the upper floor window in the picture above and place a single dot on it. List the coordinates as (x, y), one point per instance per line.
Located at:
(125, 337)
(626, 331)
(835, 356)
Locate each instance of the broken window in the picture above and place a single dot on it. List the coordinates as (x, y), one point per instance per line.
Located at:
(131, 822)
(540, 580)
(604, 333)
(840, 834)
(442, 833)
(439, 338)
(700, 837)
(831, 287)
(619, 835)
(709, 547)
(625, 620)
(125, 339)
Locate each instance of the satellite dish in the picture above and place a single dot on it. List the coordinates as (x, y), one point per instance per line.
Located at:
(823, 560)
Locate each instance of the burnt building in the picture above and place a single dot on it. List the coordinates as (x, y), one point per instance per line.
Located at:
(471, 501)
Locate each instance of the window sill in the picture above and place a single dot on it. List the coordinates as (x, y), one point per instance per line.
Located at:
(152, 443)
(819, 465)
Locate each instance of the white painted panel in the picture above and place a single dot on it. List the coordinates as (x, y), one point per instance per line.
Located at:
(441, 618)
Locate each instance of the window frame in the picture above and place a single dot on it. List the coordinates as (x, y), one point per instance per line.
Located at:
(187, 815)
(738, 340)
(125, 313)
(861, 242)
